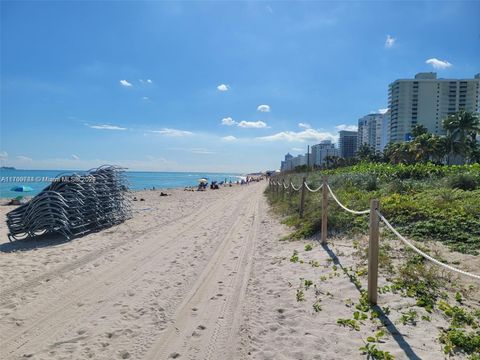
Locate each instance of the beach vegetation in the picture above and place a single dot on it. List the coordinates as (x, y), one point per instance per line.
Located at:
(314, 263)
(373, 353)
(377, 338)
(294, 257)
(409, 318)
(423, 201)
(351, 323)
(307, 284)
(300, 295)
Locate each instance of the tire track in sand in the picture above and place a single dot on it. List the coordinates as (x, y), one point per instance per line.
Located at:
(204, 324)
(30, 284)
(54, 314)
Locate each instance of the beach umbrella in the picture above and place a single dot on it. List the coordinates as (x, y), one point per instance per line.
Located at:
(203, 180)
(21, 188)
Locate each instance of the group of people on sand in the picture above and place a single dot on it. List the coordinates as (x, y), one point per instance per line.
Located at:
(203, 185)
(250, 179)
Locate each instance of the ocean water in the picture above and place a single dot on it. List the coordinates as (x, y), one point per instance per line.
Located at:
(138, 180)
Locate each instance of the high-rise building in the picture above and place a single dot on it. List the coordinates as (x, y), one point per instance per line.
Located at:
(299, 160)
(286, 164)
(321, 151)
(372, 130)
(290, 162)
(347, 143)
(427, 100)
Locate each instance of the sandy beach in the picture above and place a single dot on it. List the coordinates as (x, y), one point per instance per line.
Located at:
(194, 275)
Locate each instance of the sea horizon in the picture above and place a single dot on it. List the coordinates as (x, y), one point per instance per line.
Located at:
(138, 180)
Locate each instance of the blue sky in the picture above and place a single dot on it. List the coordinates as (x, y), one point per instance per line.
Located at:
(179, 86)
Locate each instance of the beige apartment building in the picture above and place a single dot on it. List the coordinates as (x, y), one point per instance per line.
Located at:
(427, 100)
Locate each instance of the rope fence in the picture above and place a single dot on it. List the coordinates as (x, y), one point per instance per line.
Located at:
(420, 252)
(373, 248)
(294, 188)
(308, 188)
(344, 207)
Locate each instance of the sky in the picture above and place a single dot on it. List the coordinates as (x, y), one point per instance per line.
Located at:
(209, 86)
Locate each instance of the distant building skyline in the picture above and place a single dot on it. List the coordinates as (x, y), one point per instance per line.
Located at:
(427, 100)
(423, 100)
(372, 130)
(348, 143)
(321, 151)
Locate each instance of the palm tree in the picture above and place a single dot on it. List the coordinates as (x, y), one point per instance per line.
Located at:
(365, 153)
(418, 130)
(439, 148)
(462, 129)
(398, 153)
(421, 147)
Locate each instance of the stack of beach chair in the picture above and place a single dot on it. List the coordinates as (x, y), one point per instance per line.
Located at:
(74, 205)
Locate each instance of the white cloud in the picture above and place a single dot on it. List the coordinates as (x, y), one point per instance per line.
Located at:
(383, 111)
(304, 126)
(263, 108)
(3, 155)
(149, 81)
(125, 83)
(106, 127)
(228, 121)
(346, 127)
(201, 151)
(24, 158)
(229, 138)
(75, 157)
(223, 87)
(145, 98)
(389, 42)
(301, 136)
(173, 132)
(438, 64)
(297, 149)
(252, 124)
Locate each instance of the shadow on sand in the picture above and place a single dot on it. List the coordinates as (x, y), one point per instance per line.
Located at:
(397, 336)
(39, 242)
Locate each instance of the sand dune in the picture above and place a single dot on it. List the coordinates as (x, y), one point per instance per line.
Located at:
(195, 275)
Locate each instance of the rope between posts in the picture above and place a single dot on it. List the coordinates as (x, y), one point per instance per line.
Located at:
(420, 252)
(294, 188)
(308, 188)
(285, 186)
(344, 207)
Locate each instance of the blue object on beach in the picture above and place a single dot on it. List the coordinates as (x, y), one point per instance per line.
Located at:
(21, 188)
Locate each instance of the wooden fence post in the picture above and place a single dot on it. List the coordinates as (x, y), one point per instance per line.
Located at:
(302, 196)
(324, 210)
(290, 192)
(373, 252)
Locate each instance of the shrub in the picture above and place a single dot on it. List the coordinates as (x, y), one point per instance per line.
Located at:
(372, 184)
(463, 181)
